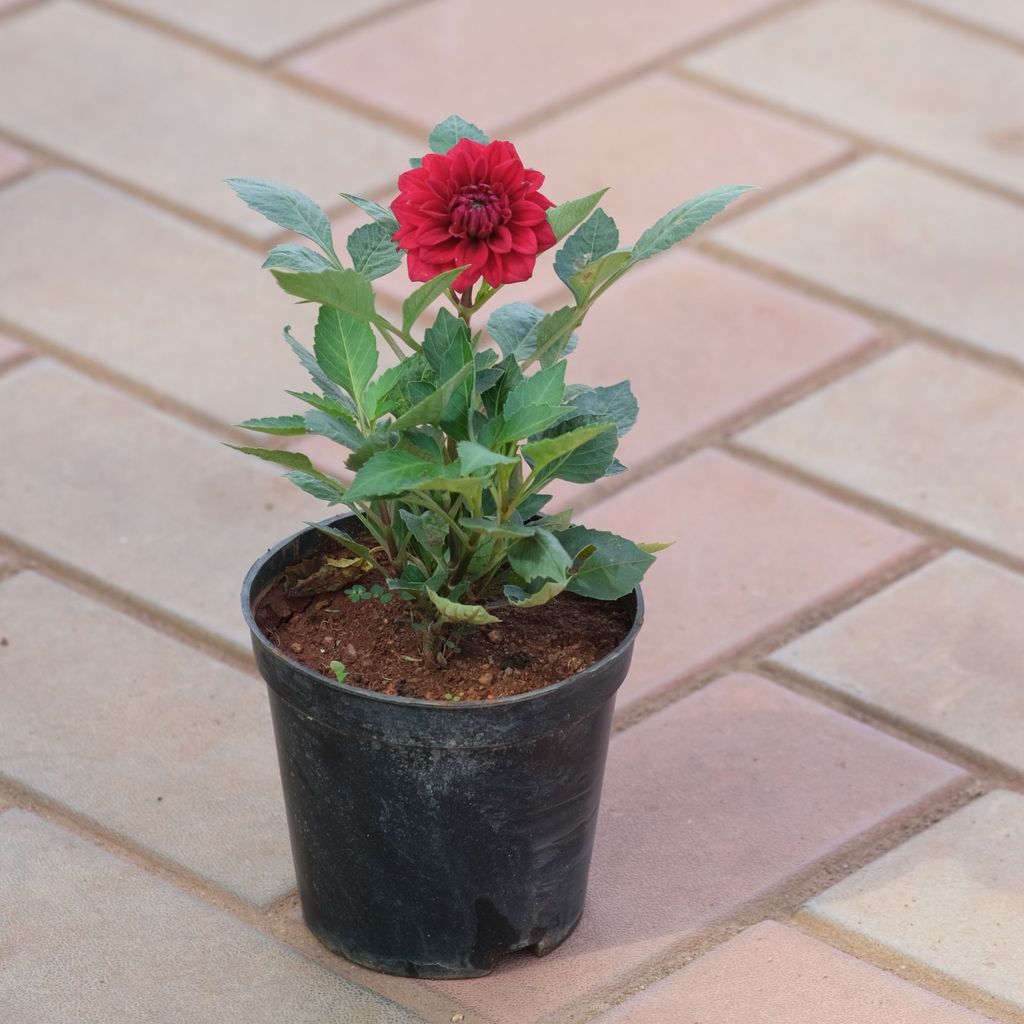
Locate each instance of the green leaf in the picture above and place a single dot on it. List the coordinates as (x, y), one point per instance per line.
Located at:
(328, 405)
(339, 430)
(514, 328)
(446, 345)
(553, 341)
(567, 216)
(420, 299)
(524, 599)
(474, 456)
(346, 290)
(444, 135)
(468, 614)
(539, 556)
(345, 348)
(293, 460)
(616, 403)
(555, 449)
(655, 545)
(381, 214)
(612, 570)
(491, 526)
(427, 527)
(601, 271)
(545, 387)
(524, 422)
(681, 222)
(280, 425)
(383, 394)
(339, 670)
(312, 367)
(324, 488)
(287, 208)
(291, 256)
(431, 408)
(344, 540)
(390, 473)
(596, 238)
(494, 398)
(372, 252)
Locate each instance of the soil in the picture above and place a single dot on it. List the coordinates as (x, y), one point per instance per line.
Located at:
(528, 649)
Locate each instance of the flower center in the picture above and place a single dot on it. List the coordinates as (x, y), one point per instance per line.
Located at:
(476, 211)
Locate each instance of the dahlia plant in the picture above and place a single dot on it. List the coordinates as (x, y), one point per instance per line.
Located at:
(453, 445)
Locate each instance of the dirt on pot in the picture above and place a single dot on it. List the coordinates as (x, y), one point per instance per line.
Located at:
(530, 648)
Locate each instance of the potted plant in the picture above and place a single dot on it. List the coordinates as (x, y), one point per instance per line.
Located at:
(442, 659)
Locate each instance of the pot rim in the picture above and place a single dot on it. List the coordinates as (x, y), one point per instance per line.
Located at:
(445, 707)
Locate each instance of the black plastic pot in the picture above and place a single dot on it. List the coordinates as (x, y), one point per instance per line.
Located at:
(431, 838)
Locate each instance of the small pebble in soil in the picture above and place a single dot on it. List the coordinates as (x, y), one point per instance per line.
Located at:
(328, 640)
(350, 650)
(486, 679)
(494, 636)
(296, 648)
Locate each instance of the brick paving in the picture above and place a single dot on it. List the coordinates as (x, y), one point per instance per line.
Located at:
(814, 804)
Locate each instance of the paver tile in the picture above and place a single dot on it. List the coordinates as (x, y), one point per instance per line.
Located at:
(195, 319)
(174, 120)
(137, 499)
(895, 75)
(609, 141)
(708, 804)
(259, 28)
(920, 430)
(952, 899)
(700, 342)
(12, 160)
(771, 974)
(1005, 16)
(751, 551)
(905, 241)
(92, 939)
(452, 60)
(143, 735)
(942, 649)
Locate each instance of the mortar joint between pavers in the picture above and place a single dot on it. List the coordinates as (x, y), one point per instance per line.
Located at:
(951, 20)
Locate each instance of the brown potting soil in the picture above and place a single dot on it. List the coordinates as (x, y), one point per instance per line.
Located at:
(528, 649)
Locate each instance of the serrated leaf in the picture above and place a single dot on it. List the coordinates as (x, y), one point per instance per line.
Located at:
(431, 408)
(389, 473)
(557, 449)
(414, 306)
(339, 670)
(427, 527)
(597, 237)
(468, 614)
(444, 135)
(475, 456)
(655, 545)
(682, 221)
(282, 426)
(331, 491)
(524, 422)
(381, 214)
(524, 599)
(552, 339)
(346, 349)
(344, 539)
(567, 216)
(346, 290)
(293, 460)
(614, 567)
(292, 256)
(598, 273)
(338, 430)
(372, 252)
(330, 406)
(286, 207)
(312, 367)
(514, 328)
(616, 403)
(447, 348)
(539, 557)
(545, 387)
(514, 531)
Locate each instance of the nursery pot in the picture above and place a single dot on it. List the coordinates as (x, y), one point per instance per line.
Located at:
(431, 838)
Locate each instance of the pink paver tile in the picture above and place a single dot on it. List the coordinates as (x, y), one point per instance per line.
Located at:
(703, 140)
(701, 341)
(12, 160)
(751, 551)
(10, 350)
(709, 804)
(451, 60)
(771, 974)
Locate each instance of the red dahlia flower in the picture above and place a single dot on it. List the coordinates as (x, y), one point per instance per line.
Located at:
(477, 205)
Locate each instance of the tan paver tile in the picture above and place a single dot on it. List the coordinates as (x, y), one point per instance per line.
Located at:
(770, 974)
(151, 297)
(952, 899)
(12, 161)
(942, 649)
(451, 60)
(143, 735)
(708, 804)
(701, 341)
(93, 939)
(1006, 16)
(174, 120)
(641, 139)
(920, 430)
(751, 550)
(259, 28)
(135, 498)
(905, 241)
(894, 75)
